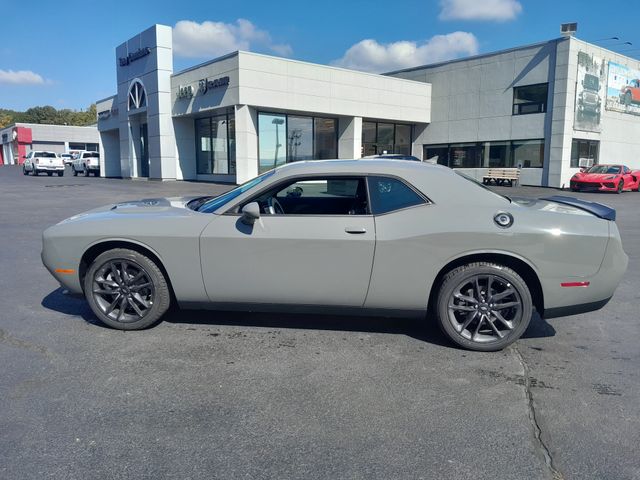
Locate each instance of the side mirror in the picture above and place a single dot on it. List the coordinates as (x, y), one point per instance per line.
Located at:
(250, 213)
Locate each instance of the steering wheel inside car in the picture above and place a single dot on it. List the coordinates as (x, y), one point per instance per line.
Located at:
(274, 207)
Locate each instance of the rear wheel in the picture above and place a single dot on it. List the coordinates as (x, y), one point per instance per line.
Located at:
(60, 173)
(483, 306)
(126, 290)
(50, 173)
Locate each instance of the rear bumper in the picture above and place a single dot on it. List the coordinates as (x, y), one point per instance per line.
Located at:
(49, 168)
(560, 301)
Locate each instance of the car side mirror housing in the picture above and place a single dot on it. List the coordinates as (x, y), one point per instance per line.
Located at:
(250, 213)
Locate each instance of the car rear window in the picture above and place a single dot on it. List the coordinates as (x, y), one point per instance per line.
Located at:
(45, 155)
(92, 155)
(389, 194)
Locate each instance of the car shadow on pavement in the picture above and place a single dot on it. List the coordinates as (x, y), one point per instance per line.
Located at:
(422, 329)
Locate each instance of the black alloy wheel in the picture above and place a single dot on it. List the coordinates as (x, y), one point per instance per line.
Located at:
(126, 290)
(484, 306)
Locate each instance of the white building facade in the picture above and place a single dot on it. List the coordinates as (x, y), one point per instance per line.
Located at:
(546, 109)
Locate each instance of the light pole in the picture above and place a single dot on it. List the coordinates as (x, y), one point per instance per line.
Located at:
(277, 122)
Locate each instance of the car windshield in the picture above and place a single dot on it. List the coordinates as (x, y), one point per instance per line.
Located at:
(217, 202)
(45, 155)
(481, 185)
(610, 169)
(591, 82)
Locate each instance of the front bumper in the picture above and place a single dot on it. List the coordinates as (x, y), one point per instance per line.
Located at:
(593, 186)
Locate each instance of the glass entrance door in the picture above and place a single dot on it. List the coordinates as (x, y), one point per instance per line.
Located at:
(144, 151)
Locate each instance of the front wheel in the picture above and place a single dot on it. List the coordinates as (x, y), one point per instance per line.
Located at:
(483, 306)
(126, 290)
(60, 173)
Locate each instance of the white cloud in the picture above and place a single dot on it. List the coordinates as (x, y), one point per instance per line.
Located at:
(500, 10)
(371, 56)
(21, 77)
(211, 39)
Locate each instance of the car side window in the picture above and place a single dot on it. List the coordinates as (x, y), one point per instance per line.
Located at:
(389, 194)
(316, 196)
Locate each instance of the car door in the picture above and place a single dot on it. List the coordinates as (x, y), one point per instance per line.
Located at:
(629, 180)
(317, 251)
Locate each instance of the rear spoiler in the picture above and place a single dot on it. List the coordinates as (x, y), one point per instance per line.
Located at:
(598, 209)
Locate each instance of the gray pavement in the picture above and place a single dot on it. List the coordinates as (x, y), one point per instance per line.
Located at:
(240, 395)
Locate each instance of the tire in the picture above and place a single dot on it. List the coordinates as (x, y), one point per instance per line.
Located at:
(74, 171)
(85, 172)
(50, 174)
(101, 278)
(474, 332)
(60, 174)
(627, 99)
(620, 187)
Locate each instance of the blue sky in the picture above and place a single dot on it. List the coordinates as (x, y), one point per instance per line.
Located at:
(63, 53)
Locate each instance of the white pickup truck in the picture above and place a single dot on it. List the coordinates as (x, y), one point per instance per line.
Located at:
(38, 161)
(86, 163)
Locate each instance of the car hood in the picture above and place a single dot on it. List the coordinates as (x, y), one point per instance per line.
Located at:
(595, 177)
(148, 207)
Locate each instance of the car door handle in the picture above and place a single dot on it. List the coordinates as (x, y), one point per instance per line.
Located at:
(355, 230)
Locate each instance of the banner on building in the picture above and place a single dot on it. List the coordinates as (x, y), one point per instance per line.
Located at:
(623, 89)
(589, 92)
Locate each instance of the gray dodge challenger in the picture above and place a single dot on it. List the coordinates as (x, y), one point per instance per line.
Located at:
(370, 236)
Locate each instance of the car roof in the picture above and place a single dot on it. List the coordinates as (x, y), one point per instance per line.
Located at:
(363, 165)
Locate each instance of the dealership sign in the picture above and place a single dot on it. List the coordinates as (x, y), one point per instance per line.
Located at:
(104, 114)
(133, 56)
(205, 85)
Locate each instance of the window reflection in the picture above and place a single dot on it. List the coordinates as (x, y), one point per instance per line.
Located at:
(290, 138)
(272, 136)
(215, 144)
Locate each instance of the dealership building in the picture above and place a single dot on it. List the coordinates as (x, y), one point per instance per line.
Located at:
(17, 140)
(546, 108)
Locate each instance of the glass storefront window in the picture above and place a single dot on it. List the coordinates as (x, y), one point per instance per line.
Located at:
(527, 153)
(326, 139)
(499, 154)
(465, 155)
(379, 138)
(290, 138)
(203, 147)
(299, 138)
(272, 136)
(215, 145)
(368, 132)
(517, 153)
(437, 153)
(585, 150)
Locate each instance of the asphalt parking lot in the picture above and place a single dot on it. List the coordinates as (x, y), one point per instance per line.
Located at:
(280, 396)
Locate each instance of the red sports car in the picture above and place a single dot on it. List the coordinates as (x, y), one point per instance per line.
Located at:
(606, 178)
